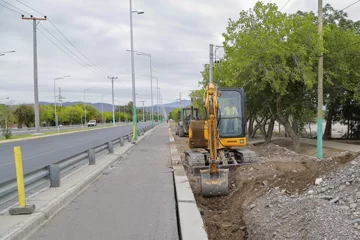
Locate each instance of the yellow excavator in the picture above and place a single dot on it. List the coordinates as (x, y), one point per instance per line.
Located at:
(218, 143)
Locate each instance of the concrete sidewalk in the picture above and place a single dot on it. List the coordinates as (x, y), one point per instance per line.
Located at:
(134, 200)
(326, 144)
(333, 144)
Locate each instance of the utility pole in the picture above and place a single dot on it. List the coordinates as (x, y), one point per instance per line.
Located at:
(36, 88)
(143, 111)
(320, 84)
(113, 107)
(133, 72)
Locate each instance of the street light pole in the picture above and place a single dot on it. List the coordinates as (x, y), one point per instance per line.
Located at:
(143, 111)
(133, 73)
(113, 107)
(151, 86)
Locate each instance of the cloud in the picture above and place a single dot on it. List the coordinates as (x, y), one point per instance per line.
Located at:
(176, 32)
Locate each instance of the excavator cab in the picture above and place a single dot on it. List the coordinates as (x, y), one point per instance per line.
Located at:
(231, 114)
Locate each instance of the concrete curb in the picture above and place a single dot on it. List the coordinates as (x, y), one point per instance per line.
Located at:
(191, 222)
(42, 215)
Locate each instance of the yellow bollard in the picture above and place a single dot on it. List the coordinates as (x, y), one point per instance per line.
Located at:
(23, 208)
(20, 176)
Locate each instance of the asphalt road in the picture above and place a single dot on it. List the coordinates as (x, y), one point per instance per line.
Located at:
(134, 201)
(41, 152)
(24, 131)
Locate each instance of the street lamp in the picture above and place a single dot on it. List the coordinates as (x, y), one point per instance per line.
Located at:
(133, 71)
(157, 95)
(3, 53)
(56, 117)
(86, 89)
(151, 86)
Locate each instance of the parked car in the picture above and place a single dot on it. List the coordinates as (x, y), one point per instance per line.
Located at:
(92, 123)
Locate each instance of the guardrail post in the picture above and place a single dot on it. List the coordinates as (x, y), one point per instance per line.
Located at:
(111, 147)
(54, 175)
(23, 208)
(121, 141)
(129, 137)
(92, 158)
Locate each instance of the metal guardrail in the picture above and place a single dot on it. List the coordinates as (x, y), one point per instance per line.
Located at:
(50, 176)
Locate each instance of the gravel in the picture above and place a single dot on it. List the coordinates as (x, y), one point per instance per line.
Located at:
(328, 209)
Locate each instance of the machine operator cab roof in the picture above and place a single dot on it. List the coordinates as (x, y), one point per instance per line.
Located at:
(231, 113)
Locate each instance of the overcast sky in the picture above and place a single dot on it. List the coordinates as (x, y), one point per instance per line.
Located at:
(176, 32)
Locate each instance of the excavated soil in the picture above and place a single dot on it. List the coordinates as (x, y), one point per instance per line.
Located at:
(278, 168)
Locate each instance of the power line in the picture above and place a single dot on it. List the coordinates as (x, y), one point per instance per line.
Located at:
(285, 5)
(350, 5)
(11, 9)
(66, 47)
(66, 40)
(64, 51)
(30, 7)
(76, 47)
(16, 7)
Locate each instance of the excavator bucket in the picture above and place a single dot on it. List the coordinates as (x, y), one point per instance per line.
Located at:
(214, 183)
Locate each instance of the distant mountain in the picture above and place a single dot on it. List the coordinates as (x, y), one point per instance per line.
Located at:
(108, 107)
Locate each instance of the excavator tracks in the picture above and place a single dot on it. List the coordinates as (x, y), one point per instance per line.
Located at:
(197, 160)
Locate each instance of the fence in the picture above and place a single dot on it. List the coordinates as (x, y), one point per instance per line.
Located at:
(50, 176)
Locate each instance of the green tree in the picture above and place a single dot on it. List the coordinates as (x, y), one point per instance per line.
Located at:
(5, 118)
(25, 115)
(271, 55)
(341, 61)
(175, 114)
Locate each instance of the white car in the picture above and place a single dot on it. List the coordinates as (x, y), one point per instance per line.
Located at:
(92, 123)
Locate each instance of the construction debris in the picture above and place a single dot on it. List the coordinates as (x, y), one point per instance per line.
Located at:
(286, 196)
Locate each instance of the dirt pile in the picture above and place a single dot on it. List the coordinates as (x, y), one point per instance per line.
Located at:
(261, 195)
(328, 210)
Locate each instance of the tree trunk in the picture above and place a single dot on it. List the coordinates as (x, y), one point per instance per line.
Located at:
(328, 130)
(270, 130)
(266, 128)
(251, 126)
(257, 127)
(294, 137)
(284, 120)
